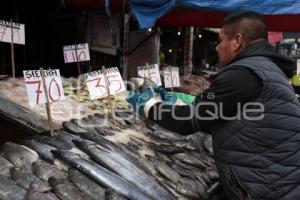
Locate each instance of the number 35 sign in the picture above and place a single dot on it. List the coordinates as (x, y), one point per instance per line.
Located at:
(35, 89)
(97, 85)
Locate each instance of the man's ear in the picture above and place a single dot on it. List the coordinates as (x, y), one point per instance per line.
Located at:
(238, 42)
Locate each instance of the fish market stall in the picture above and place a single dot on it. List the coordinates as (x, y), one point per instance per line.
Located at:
(91, 158)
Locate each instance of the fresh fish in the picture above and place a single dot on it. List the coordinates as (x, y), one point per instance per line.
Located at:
(102, 128)
(24, 177)
(102, 175)
(66, 190)
(73, 128)
(189, 159)
(106, 156)
(113, 195)
(5, 166)
(45, 170)
(213, 175)
(53, 141)
(181, 171)
(127, 117)
(196, 140)
(17, 154)
(66, 137)
(183, 189)
(9, 190)
(166, 148)
(163, 169)
(162, 156)
(166, 135)
(86, 125)
(42, 149)
(208, 145)
(188, 188)
(101, 120)
(34, 193)
(86, 185)
(184, 145)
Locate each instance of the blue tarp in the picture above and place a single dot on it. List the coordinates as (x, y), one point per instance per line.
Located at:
(148, 11)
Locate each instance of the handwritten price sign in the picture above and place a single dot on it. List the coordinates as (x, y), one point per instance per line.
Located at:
(150, 72)
(35, 89)
(171, 77)
(82, 50)
(18, 32)
(97, 86)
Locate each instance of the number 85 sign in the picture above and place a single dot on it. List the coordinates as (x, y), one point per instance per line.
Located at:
(35, 89)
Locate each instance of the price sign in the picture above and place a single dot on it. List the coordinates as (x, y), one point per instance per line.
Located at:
(171, 77)
(35, 89)
(82, 51)
(18, 32)
(150, 72)
(115, 81)
(96, 83)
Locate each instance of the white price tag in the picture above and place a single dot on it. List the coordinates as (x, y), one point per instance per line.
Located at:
(97, 86)
(115, 81)
(174, 72)
(95, 82)
(83, 53)
(35, 89)
(18, 32)
(151, 73)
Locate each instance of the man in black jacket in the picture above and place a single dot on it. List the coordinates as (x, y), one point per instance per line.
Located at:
(251, 111)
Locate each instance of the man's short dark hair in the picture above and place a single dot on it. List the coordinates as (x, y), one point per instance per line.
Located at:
(250, 24)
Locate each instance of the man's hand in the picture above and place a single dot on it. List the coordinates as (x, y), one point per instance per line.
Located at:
(165, 96)
(138, 100)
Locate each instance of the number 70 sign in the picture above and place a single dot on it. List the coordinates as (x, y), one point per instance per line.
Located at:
(35, 89)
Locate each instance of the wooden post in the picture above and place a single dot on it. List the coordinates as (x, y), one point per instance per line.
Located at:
(170, 70)
(13, 69)
(148, 71)
(77, 61)
(188, 50)
(109, 97)
(126, 29)
(50, 123)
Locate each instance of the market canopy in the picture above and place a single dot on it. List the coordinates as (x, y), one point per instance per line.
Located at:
(279, 15)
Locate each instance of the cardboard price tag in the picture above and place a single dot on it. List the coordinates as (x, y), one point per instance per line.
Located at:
(173, 81)
(150, 72)
(35, 89)
(97, 86)
(83, 53)
(18, 32)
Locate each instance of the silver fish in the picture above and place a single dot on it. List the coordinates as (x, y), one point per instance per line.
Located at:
(5, 166)
(66, 190)
(102, 175)
(113, 195)
(17, 154)
(24, 177)
(45, 170)
(86, 185)
(42, 149)
(34, 193)
(9, 190)
(112, 158)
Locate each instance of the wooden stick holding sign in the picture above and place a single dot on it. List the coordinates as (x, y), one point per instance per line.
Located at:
(170, 70)
(148, 71)
(50, 123)
(109, 97)
(13, 69)
(77, 60)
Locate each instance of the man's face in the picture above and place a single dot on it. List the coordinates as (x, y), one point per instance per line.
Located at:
(225, 48)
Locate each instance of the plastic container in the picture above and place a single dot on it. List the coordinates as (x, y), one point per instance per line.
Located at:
(186, 98)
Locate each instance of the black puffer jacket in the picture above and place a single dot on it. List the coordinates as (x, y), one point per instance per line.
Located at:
(260, 159)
